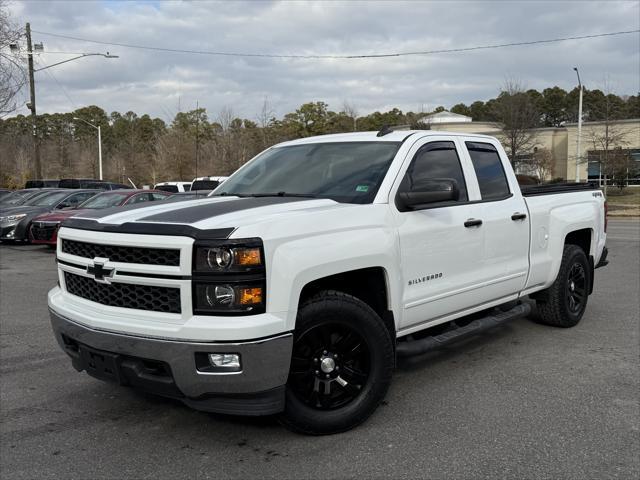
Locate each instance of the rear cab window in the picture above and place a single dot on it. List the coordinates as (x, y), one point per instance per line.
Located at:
(167, 188)
(489, 170)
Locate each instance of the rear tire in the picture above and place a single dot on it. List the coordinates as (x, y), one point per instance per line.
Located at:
(564, 302)
(341, 366)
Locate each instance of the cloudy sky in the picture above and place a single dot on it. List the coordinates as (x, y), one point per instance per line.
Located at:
(162, 83)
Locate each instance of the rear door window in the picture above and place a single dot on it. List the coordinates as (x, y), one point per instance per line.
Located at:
(489, 171)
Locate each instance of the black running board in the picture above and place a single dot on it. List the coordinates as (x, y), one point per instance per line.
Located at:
(427, 344)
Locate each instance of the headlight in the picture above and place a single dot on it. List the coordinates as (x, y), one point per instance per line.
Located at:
(228, 258)
(12, 218)
(228, 297)
(229, 277)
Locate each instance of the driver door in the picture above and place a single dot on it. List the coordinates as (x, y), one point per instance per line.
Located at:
(441, 247)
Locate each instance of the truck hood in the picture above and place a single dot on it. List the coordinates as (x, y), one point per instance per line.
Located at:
(206, 215)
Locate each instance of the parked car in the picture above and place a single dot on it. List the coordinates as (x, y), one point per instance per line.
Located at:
(108, 186)
(192, 195)
(207, 183)
(44, 227)
(292, 292)
(77, 182)
(15, 221)
(23, 196)
(173, 187)
(49, 183)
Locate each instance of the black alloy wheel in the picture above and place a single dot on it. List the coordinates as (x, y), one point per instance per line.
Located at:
(341, 367)
(563, 304)
(576, 288)
(330, 365)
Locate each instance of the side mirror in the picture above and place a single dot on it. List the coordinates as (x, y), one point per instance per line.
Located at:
(427, 191)
(64, 205)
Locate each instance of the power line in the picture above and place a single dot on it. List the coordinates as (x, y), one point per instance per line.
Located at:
(64, 91)
(340, 57)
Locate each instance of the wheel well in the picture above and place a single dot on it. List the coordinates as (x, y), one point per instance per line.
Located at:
(366, 284)
(581, 238)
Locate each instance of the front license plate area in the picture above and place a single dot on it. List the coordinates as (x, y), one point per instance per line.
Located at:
(100, 364)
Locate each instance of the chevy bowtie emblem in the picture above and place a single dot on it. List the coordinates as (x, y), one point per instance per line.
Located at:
(99, 271)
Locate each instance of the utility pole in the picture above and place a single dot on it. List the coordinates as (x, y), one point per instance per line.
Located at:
(197, 134)
(100, 151)
(32, 106)
(99, 143)
(579, 141)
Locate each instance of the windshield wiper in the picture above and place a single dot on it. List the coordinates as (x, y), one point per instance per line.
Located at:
(230, 194)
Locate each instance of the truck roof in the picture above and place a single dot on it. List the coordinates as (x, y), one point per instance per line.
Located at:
(394, 136)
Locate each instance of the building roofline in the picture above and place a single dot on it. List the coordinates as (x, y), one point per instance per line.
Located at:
(602, 122)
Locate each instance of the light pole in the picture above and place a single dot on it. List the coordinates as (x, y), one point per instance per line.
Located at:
(99, 143)
(579, 141)
(32, 89)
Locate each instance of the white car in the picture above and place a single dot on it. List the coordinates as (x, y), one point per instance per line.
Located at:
(173, 187)
(294, 288)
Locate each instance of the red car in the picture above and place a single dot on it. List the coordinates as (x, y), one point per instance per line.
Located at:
(44, 228)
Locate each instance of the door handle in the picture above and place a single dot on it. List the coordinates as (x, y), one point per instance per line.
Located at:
(518, 216)
(473, 222)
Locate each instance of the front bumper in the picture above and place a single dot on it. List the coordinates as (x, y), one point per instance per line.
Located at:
(44, 233)
(168, 368)
(7, 232)
(15, 231)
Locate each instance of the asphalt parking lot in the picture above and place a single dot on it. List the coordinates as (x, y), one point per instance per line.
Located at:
(523, 401)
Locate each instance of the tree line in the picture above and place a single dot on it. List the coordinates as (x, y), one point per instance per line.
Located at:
(148, 150)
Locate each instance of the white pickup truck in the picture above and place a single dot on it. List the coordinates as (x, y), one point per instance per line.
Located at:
(293, 289)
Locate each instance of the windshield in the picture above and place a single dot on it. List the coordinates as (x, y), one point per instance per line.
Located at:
(29, 198)
(349, 172)
(49, 200)
(105, 200)
(14, 198)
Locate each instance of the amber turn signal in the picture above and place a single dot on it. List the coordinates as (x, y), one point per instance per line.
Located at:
(250, 296)
(248, 256)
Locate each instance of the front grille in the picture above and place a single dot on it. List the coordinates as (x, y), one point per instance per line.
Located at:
(43, 231)
(115, 253)
(125, 295)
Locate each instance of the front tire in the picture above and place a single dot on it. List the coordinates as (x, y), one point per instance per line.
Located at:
(341, 366)
(564, 302)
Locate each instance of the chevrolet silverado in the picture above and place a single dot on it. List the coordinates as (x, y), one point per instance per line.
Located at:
(295, 286)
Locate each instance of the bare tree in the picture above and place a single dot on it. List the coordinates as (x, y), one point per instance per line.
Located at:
(12, 73)
(608, 137)
(351, 111)
(517, 117)
(542, 164)
(265, 118)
